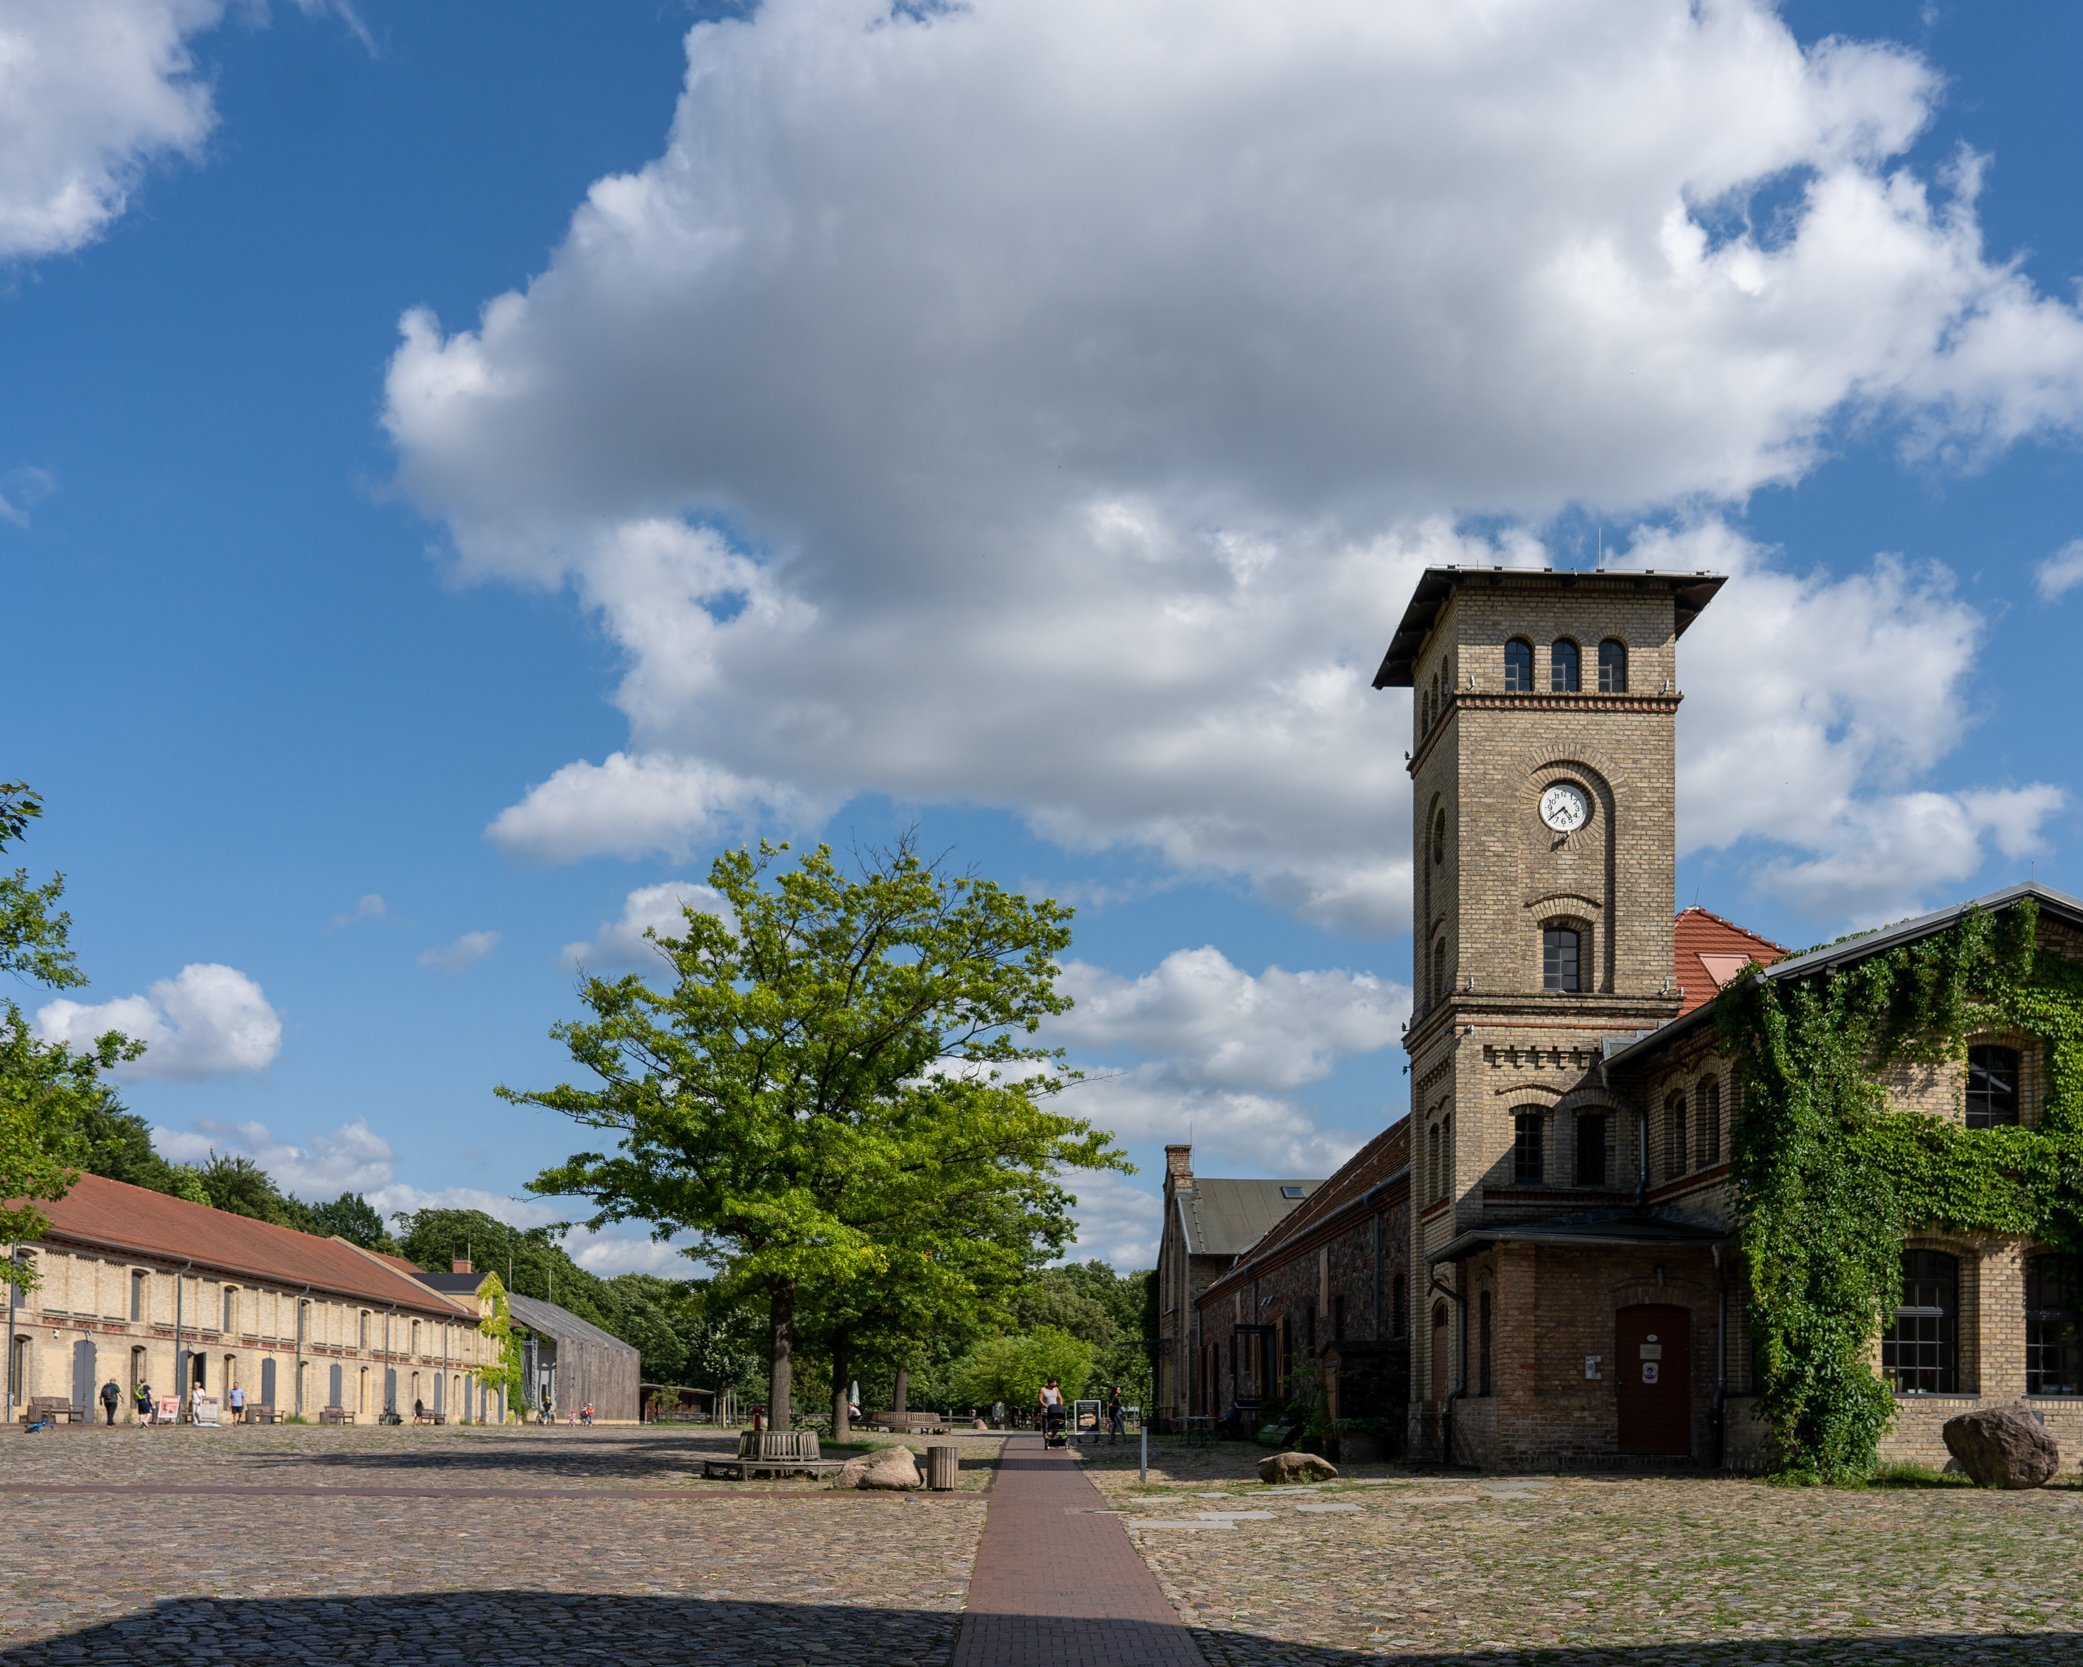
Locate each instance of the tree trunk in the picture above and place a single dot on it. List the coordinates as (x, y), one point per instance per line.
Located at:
(842, 1421)
(781, 1364)
(900, 1397)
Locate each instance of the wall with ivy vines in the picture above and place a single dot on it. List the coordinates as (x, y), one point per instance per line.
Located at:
(498, 1324)
(1831, 1178)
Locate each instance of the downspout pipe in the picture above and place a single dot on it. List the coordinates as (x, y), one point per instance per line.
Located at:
(1446, 1413)
(180, 1354)
(303, 1309)
(1717, 1419)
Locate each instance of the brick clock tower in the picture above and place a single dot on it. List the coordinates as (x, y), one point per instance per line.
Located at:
(1543, 799)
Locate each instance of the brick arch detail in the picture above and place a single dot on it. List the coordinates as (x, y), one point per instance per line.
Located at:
(1677, 1293)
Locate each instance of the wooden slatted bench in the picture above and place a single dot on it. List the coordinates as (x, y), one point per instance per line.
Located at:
(771, 1453)
(52, 1407)
(335, 1415)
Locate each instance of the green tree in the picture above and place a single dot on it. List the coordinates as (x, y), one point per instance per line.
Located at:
(240, 1187)
(353, 1218)
(46, 1088)
(110, 1140)
(842, 1068)
(1013, 1368)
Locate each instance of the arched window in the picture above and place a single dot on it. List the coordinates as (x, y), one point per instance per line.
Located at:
(1439, 970)
(1710, 1122)
(1565, 672)
(1399, 1303)
(1561, 958)
(1528, 1169)
(231, 1308)
(1439, 840)
(1591, 1148)
(2053, 1326)
(1920, 1352)
(1674, 1137)
(1437, 1169)
(1612, 667)
(1518, 667)
(1446, 1155)
(1992, 1087)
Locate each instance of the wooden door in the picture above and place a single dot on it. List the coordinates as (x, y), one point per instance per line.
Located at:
(1654, 1362)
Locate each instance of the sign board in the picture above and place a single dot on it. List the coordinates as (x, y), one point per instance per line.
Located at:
(1591, 1362)
(166, 1409)
(1649, 1371)
(204, 1409)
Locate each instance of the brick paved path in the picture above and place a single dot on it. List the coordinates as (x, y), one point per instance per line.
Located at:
(1056, 1582)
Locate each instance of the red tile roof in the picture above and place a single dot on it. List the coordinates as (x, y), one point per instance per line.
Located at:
(1372, 1164)
(1712, 951)
(116, 1216)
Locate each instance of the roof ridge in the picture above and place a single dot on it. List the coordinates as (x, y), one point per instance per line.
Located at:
(1723, 920)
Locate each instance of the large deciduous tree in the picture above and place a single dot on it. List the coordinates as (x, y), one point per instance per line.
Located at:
(838, 1093)
(46, 1089)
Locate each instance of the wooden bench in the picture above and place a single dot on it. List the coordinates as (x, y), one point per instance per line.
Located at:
(51, 1408)
(907, 1423)
(335, 1415)
(262, 1412)
(771, 1453)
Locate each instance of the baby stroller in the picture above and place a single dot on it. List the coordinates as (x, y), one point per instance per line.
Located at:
(1052, 1426)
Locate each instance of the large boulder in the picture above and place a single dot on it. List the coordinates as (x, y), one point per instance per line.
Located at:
(2003, 1447)
(892, 1469)
(1296, 1467)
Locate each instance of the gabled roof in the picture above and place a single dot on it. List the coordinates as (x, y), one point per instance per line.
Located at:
(1690, 592)
(1381, 1159)
(562, 1324)
(1857, 947)
(1712, 951)
(113, 1215)
(1225, 1217)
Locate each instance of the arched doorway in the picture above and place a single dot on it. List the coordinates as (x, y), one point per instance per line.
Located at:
(1442, 1333)
(83, 1384)
(1653, 1356)
(267, 1383)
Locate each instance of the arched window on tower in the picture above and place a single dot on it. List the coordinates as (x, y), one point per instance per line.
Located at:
(1528, 1167)
(1612, 667)
(1565, 669)
(1439, 840)
(1518, 667)
(1439, 971)
(1562, 961)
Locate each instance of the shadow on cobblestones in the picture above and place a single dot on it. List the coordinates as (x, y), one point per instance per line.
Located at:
(610, 1456)
(484, 1628)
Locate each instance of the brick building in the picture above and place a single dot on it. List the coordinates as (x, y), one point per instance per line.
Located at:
(144, 1288)
(1573, 1270)
(1208, 1223)
(1319, 1307)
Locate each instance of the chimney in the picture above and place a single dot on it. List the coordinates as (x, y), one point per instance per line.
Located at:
(1178, 1169)
(460, 1265)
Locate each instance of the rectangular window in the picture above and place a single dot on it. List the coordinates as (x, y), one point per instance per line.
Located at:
(1591, 1149)
(1992, 1088)
(1528, 1169)
(2053, 1326)
(1559, 959)
(231, 1309)
(1920, 1352)
(137, 1295)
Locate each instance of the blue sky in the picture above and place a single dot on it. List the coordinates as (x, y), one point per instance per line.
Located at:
(1023, 422)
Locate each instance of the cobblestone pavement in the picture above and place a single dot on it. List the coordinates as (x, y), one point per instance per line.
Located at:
(370, 1546)
(1636, 1570)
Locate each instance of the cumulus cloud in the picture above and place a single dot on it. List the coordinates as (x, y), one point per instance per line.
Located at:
(350, 1158)
(1118, 1221)
(1082, 386)
(2061, 572)
(90, 97)
(1263, 1134)
(208, 1020)
(1220, 1027)
(460, 956)
(1814, 703)
(661, 909)
(399, 1197)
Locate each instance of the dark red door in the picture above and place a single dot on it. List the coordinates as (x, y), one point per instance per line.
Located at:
(1655, 1366)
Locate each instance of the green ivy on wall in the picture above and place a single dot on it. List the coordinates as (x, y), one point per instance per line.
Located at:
(498, 1324)
(1831, 1178)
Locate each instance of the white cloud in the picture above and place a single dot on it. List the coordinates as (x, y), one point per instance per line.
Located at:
(91, 95)
(397, 1196)
(608, 1254)
(2061, 572)
(1118, 1221)
(351, 1158)
(206, 1021)
(1224, 1028)
(1264, 1134)
(21, 490)
(460, 956)
(1087, 384)
(661, 908)
(371, 907)
(1814, 705)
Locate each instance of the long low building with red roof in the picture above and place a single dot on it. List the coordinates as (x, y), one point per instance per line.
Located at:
(138, 1287)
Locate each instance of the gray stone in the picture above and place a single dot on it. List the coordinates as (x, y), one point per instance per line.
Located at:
(893, 1470)
(2003, 1447)
(1296, 1467)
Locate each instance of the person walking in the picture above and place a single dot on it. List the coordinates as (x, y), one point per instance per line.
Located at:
(236, 1400)
(1117, 1416)
(111, 1398)
(143, 1394)
(1049, 1406)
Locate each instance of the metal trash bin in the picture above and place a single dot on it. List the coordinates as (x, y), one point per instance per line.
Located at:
(943, 1462)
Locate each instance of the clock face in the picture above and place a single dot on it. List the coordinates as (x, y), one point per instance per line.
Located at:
(1565, 808)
